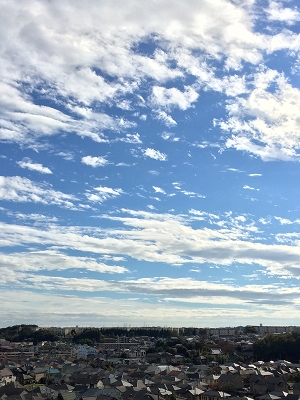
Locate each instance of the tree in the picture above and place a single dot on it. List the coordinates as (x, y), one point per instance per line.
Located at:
(285, 346)
(250, 329)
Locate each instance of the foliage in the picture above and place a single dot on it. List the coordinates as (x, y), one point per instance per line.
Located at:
(95, 335)
(227, 387)
(44, 335)
(294, 378)
(250, 329)
(156, 332)
(82, 341)
(275, 347)
(18, 333)
(88, 336)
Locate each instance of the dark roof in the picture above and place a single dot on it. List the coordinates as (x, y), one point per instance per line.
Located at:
(67, 396)
(215, 393)
(11, 390)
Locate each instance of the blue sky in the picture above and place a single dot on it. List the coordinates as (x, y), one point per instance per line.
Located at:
(149, 163)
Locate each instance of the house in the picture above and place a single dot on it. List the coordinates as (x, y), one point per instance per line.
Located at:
(26, 379)
(6, 376)
(12, 389)
(296, 388)
(260, 386)
(38, 374)
(210, 380)
(233, 381)
(165, 357)
(86, 379)
(193, 394)
(177, 359)
(215, 354)
(214, 395)
(246, 374)
(67, 396)
(276, 384)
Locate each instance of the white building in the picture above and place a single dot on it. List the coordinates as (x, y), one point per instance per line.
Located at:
(265, 330)
(83, 351)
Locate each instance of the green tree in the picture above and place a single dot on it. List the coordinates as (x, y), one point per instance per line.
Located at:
(250, 329)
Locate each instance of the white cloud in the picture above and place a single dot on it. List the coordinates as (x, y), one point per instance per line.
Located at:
(155, 154)
(37, 218)
(133, 138)
(165, 118)
(234, 85)
(170, 136)
(27, 163)
(54, 55)
(103, 193)
(121, 164)
(68, 156)
(151, 207)
(18, 189)
(94, 161)
(283, 221)
(98, 69)
(163, 97)
(25, 122)
(104, 311)
(171, 297)
(192, 194)
(151, 237)
(276, 12)
(50, 260)
(158, 190)
(266, 122)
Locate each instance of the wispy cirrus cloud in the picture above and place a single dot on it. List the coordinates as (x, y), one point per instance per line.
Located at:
(158, 190)
(103, 193)
(21, 190)
(37, 218)
(150, 237)
(165, 118)
(52, 260)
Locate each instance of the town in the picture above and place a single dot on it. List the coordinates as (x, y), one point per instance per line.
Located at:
(149, 363)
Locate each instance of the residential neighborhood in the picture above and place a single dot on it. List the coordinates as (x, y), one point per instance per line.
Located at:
(191, 365)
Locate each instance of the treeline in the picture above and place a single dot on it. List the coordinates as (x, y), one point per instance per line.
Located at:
(96, 335)
(278, 347)
(19, 333)
(157, 332)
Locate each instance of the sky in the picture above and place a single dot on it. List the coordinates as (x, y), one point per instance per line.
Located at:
(149, 163)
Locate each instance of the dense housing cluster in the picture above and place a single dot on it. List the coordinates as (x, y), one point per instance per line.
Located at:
(149, 363)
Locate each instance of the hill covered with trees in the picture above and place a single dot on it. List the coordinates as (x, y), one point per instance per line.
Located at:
(18, 333)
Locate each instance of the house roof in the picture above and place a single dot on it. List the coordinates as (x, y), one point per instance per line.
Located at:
(5, 372)
(215, 393)
(67, 395)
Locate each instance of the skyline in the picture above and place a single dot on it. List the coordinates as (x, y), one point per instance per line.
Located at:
(150, 163)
